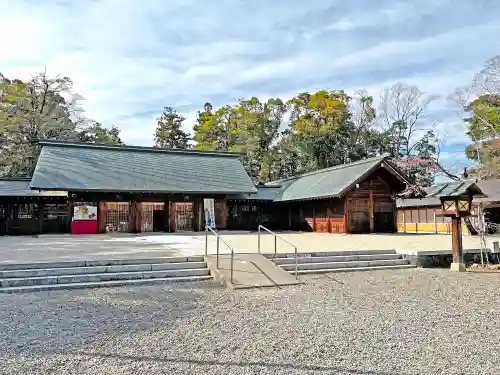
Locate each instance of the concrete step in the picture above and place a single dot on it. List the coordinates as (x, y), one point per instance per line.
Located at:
(330, 253)
(98, 263)
(103, 284)
(353, 264)
(102, 277)
(41, 272)
(352, 269)
(339, 258)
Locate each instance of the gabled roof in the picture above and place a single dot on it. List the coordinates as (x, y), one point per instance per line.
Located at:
(332, 182)
(20, 187)
(324, 183)
(87, 167)
(450, 189)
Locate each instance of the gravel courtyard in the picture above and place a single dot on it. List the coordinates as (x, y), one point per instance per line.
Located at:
(419, 321)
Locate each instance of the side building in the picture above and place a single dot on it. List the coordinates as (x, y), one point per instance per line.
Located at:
(424, 215)
(353, 198)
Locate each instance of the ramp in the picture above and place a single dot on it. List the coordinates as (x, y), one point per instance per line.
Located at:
(250, 271)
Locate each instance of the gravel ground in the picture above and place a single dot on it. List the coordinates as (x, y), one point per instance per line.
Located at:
(383, 322)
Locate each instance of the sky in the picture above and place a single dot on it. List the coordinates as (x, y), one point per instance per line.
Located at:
(129, 58)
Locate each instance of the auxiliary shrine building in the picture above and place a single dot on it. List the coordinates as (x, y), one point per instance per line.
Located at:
(83, 188)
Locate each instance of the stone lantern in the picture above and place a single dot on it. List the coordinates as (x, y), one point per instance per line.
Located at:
(456, 201)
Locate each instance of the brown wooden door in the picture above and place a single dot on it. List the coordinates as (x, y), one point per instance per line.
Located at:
(359, 217)
(184, 216)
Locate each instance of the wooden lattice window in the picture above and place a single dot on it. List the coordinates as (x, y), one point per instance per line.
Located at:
(117, 216)
(55, 211)
(24, 211)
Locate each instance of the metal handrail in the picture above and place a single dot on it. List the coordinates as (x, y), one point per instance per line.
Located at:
(276, 246)
(219, 238)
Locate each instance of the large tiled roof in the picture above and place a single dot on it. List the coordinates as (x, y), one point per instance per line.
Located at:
(20, 187)
(84, 167)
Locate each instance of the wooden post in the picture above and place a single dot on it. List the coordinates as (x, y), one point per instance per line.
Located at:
(404, 220)
(370, 209)
(166, 215)
(101, 216)
(173, 225)
(138, 218)
(289, 216)
(435, 221)
(314, 216)
(40, 217)
(346, 215)
(201, 215)
(457, 248)
(70, 211)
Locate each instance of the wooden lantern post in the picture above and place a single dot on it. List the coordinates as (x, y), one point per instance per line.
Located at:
(457, 204)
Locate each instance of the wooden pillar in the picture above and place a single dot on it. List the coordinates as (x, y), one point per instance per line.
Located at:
(39, 215)
(435, 221)
(289, 216)
(166, 215)
(404, 220)
(314, 216)
(131, 217)
(417, 219)
(70, 211)
(101, 216)
(138, 218)
(135, 217)
(196, 214)
(457, 249)
(346, 215)
(224, 214)
(370, 209)
(173, 225)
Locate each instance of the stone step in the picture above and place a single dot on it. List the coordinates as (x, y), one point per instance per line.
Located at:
(352, 269)
(98, 263)
(330, 253)
(103, 284)
(102, 277)
(353, 264)
(339, 258)
(40, 272)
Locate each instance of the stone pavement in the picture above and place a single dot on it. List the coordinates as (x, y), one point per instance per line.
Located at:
(124, 246)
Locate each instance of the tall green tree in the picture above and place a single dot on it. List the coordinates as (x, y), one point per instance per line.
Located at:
(42, 108)
(169, 132)
(98, 134)
(483, 126)
(217, 130)
(321, 125)
(258, 124)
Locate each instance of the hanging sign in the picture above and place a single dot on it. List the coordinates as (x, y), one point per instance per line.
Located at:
(209, 208)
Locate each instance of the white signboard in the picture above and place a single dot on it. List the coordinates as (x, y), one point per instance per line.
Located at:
(84, 212)
(209, 207)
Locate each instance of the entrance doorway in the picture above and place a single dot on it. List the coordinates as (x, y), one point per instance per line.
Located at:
(184, 216)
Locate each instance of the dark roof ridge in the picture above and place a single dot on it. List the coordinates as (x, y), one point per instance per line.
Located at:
(137, 148)
(328, 169)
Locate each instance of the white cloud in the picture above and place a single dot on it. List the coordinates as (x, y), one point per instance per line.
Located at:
(131, 59)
